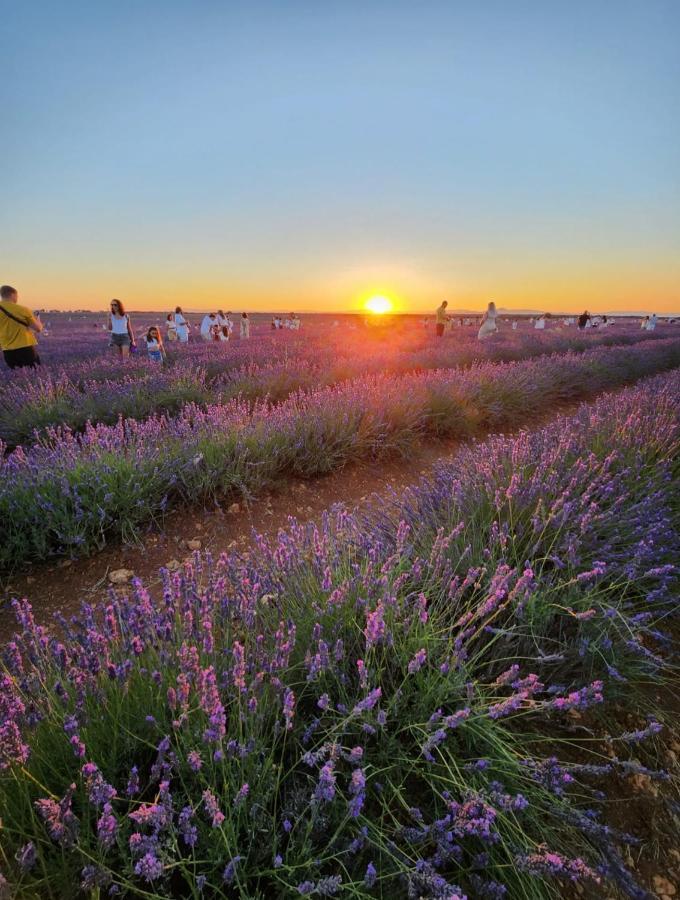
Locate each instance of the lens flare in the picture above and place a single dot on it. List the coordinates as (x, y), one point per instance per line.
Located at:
(379, 305)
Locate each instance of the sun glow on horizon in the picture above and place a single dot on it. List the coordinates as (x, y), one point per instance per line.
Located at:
(378, 305)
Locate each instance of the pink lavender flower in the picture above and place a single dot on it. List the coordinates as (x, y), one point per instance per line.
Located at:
(374, 631)
(211, 806)
(545, 862)
(62, 825)
(239, 670)
(581, 699)
(194, 760)
(78, 746)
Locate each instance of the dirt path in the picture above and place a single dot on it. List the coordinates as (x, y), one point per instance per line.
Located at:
(64, 584)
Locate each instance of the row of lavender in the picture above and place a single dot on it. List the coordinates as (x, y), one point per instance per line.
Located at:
(269, 366)
(366, 708)
(70, 494)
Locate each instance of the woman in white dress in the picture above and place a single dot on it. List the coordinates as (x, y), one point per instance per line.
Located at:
(488, 326)
(181, 326)
(245, 326)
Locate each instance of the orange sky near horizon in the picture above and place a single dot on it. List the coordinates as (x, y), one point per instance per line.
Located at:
(625, 291)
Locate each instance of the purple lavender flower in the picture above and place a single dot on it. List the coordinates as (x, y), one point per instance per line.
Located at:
(325, 788)
(26, 857)
(371, 875)
(107, 827)
(418, 661)
(230, 870)
(149, 867)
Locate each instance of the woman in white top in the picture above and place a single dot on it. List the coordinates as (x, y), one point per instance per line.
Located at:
(245, 325)
(540, 323)
(120, 329)
(488, 326)
(181, 326)
(651, 324)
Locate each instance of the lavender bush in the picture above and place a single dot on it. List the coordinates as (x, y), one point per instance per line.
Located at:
(360, 708)
(271, 366)
(69, 493)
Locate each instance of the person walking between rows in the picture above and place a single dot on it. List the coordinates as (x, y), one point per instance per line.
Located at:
(18, 329)
(245, 326)
(441, 318)
(122, 337)
(488, 326)
(583, 319)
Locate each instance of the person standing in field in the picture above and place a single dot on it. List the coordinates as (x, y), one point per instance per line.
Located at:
(245, 326)
(120, 329)
(540, 323)
(170, 325)
(181, 326)
(441, 318)
(651, 322)
(18, 329)
(488, 326)
(583, 319)
(209, 320)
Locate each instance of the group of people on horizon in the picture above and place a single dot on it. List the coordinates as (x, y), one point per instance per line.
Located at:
(488, 324)
(292, 322)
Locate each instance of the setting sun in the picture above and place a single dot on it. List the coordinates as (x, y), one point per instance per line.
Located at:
(379, 305)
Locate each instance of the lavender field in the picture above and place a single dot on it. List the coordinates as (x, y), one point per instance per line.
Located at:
(446, 693)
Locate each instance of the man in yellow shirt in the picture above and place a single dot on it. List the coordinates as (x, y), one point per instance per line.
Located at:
(18, 326)
(441, 318)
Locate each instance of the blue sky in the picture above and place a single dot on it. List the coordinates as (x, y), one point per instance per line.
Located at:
(308, 153)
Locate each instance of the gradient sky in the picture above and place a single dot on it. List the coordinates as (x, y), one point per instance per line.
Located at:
(283, 154)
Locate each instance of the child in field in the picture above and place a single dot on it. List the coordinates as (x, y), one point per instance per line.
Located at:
(170, 325)
(154, 345)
